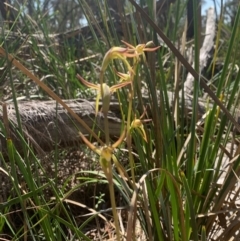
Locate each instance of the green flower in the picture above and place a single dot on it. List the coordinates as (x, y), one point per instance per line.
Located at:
(141, 48)
(137, 124)
(118, 53)
(103, 91)
(105, 152)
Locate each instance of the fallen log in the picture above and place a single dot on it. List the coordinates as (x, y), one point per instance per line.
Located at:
(46, 123)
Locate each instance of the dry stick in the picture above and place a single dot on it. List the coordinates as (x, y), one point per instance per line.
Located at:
(49, 91)
(196, 76)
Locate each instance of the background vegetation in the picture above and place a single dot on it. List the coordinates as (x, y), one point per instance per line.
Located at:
(183, 184)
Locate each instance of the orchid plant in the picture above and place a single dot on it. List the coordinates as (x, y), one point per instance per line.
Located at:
(104, 92)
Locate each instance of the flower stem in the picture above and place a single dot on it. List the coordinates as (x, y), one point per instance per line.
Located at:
(113, 203)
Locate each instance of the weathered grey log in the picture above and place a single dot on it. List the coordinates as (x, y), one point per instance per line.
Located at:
(45, 123)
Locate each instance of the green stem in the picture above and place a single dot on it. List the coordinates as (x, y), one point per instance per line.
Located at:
(129, 138)
(106, 129)
(113, 203)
